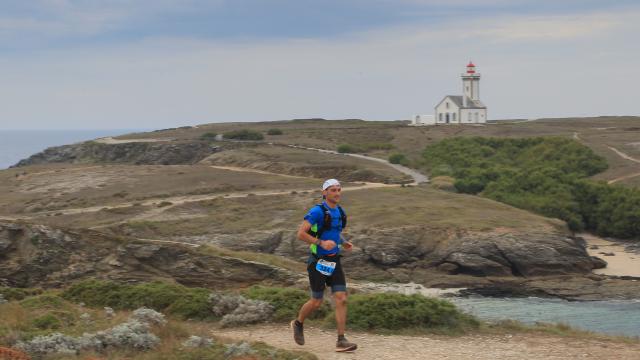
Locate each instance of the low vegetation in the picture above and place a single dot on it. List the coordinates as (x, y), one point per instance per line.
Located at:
(544, 175)
(208, 136)
(47, 325)
(176, 300)
(363, 147)
(286, 301)
(85, 332)
(244, 134)
(275, 132)
(398, 158)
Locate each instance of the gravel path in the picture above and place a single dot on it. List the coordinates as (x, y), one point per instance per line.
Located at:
(418, 177)
(370, 346)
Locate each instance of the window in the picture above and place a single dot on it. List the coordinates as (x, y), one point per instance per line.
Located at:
(447, 105)
(476, 117)
(469, 117)
(440, 117)
(453, 116)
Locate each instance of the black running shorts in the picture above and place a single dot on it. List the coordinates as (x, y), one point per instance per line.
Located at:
(319, 281)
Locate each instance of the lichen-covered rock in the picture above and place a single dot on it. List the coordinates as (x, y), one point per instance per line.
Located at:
(237, 310)
(238, 349)
(148, 316)
(197, 342)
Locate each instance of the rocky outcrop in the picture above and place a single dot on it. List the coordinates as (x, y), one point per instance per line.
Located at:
(517, 254)
(139, 153)
(392, 250)
(34, 255)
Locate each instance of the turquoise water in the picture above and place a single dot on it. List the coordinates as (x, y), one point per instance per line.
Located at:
(16, 145)
(616, 317)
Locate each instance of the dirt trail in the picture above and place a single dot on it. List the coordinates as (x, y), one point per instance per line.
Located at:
(179, 200)
(619, 153)
(630, 176)
(371, 346)
(418, 177)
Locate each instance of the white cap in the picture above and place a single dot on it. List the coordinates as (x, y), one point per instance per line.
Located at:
(329, 183)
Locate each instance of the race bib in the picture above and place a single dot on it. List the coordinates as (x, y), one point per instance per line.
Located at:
(325, 267)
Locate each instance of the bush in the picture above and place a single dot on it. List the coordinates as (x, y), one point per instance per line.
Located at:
(237, 310)
(390, 311)
(348, 149)
(47, 321)
(546, 175)
(274, 132)
(243, 135)
(177, 300)
(398, 159)
(286, 301)
(134, 333)
(208, 136)
(10, 293)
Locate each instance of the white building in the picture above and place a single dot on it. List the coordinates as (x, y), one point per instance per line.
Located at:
(423, 120)
(465, 109)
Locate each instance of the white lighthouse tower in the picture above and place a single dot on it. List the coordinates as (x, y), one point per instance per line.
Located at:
(470, 84)
(465, 109)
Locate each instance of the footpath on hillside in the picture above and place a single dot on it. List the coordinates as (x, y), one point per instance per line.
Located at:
(371, 346)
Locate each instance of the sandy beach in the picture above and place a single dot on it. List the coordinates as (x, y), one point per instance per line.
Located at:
(621, 263)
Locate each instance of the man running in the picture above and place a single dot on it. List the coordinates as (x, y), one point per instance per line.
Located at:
(321, 229)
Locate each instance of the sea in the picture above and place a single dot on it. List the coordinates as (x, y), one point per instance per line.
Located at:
(613, 317)
(16, 145)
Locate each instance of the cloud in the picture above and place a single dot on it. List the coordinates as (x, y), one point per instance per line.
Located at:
(552, 27)
(387, 73)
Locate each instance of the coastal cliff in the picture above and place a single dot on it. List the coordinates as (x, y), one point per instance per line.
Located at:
(139, 153)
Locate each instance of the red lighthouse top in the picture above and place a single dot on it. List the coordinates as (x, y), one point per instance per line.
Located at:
(471, 69)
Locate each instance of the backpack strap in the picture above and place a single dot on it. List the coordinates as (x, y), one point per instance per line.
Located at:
(343, 217)
(326, 221)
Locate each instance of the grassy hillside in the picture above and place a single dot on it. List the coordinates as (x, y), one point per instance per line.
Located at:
(599, 133)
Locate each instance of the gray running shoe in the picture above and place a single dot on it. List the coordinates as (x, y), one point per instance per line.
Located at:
(344, 345)
(298, 333)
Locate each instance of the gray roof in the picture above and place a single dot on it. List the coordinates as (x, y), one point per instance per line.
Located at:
(471, 104)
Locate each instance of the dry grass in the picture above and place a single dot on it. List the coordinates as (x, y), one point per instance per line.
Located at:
(598, 133)
(17, 318)
(55, 187)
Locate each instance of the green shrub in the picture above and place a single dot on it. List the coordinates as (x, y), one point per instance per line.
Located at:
(208, 136)
(274, 132)
(286, 301)
(398, 158)
(45, 301)
(244, 134)
(390, 311)
(47, 321)
(11, 293)
(194, 305)
(168, 298)
(546, 175)
(348, 149)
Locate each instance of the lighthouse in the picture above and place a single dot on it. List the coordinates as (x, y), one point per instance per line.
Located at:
(466, 108)
(470, 84)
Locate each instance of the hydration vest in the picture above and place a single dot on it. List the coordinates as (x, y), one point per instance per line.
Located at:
(326, 225)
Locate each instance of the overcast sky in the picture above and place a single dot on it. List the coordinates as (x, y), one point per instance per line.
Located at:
(153, 64)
